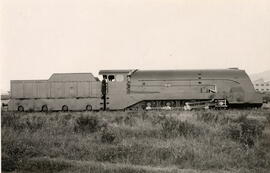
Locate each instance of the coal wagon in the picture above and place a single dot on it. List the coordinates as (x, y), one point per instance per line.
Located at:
(62, 91)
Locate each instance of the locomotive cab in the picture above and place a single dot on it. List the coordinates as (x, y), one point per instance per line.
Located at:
(114, 88)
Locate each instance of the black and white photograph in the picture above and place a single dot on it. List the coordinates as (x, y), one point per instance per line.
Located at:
(135, 86)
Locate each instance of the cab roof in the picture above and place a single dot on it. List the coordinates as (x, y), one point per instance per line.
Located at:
(104, 72)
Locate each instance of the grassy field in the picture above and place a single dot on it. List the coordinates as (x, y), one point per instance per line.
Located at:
(154, 142)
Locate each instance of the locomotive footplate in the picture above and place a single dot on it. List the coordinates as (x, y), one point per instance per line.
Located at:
(158, 105)
(221, 103)
(178, 104)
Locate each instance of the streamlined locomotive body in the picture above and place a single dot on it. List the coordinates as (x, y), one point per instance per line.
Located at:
(137, 89)
(152, 88)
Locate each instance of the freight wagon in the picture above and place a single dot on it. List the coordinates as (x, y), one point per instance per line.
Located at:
(135, 89)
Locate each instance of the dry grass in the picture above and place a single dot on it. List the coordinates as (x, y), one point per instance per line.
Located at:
(158, 141)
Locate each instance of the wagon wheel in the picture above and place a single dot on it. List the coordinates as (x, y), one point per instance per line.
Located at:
(44, 108)
(20, 109)
(65, 108)
(88, 108)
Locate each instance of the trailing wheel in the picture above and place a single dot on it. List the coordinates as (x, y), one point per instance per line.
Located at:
(65, 108)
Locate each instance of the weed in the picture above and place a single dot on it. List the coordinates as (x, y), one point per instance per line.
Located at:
(201, 140)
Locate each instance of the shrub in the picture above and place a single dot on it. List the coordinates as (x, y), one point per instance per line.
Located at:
(207, 116)
(107, 136)
(172, 128)
(8, 163)
(111, 153)
(44, 165)
(157, 118)
(89, 124)
(240, 119)
(128, 119)
(267, 115)
(245, 132)
(185, 157)
(34, 124)
(15, 152)
(11, 120)
(20, 122)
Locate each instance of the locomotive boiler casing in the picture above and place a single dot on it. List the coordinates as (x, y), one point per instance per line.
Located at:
(180, 86)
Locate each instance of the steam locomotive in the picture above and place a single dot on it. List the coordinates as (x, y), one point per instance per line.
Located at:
(135, 90)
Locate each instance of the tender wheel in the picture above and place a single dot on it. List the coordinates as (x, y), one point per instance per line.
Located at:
(65, 108)
(20, 109)
(88, 108)
(44, 108)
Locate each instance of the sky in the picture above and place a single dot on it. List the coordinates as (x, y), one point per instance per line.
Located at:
(42, 37)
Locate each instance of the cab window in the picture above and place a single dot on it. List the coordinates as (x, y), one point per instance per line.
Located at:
(111, 78)
(119, 78)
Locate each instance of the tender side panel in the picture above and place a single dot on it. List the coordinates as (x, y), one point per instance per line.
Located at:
(29, 89)
(71, 89)
(16, 89)
(57, 89)
(96, 89)
(43, 90)
(84, 89)
(25, 89)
